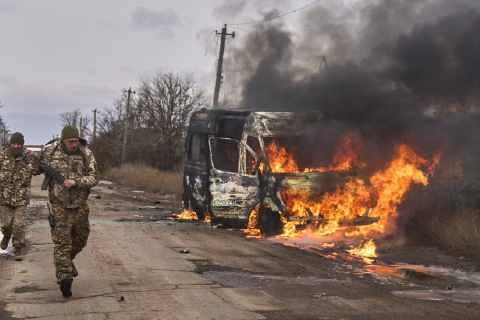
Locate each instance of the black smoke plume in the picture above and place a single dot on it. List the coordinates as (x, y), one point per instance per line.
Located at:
(398, 70)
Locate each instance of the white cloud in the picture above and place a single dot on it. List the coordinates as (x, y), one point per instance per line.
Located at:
(160, 21)
(57, 56)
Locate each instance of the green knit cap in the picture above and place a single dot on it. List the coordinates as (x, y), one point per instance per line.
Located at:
(70, 132)
(17, 137)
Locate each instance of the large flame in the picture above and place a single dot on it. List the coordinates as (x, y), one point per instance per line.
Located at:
(280, 160)
(387, 190)
(345, 157)
(380, 198)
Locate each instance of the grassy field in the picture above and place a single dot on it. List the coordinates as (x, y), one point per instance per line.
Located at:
(451, 223)
(146, 178)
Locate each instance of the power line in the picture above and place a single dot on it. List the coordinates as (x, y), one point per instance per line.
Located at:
(270, 19)
(206, 42)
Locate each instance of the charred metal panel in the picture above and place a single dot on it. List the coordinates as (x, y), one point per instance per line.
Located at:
(282, 123)
(233, 195)
(218, 122)
(316, 182)
(196, 187)
(230, 126)
(202, 122)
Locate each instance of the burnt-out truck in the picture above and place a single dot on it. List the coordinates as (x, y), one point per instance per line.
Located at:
(229, 172)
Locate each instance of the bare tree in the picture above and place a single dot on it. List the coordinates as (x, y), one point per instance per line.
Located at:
(71, 118)
(108, 144)
(4, 131)
(163, 107)
(75, 118)
(157, 120)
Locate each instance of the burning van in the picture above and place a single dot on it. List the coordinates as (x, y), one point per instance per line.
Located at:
(244, 167)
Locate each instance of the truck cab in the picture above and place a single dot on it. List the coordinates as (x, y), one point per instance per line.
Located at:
(229, 173)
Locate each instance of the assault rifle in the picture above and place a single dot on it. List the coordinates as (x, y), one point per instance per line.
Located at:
(50, 174)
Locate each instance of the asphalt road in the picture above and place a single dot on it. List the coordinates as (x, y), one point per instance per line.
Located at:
(168, 269)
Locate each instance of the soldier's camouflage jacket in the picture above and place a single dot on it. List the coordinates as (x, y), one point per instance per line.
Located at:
(79, 166)
(15, 180)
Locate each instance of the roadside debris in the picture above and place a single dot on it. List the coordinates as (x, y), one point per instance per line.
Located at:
(150, 208)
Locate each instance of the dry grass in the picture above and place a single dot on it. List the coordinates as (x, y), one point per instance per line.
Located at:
(457, 229)
(449, 223)
(146, 178)
(447, 212)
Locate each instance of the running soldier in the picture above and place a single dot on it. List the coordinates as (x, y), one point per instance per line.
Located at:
(75, 162)
(15, 180)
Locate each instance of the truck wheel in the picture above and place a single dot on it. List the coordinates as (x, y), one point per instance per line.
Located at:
(269, 222)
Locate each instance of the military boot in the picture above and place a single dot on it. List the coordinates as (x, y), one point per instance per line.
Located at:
(17, 251)
(66, 286)
(4, 243)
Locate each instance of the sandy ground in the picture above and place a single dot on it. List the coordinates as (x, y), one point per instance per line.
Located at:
(135, 253)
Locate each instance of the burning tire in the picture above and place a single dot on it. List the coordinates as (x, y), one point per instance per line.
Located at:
(269, 222)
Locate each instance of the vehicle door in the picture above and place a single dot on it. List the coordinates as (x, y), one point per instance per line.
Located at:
(234, 187)
(195, 174)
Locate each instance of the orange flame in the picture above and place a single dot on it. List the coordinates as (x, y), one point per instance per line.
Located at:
(333, 212)
(345, 157)
(186, 215)
(367, 249)
(387, 190)
(346, 153)
(280, 160)
(252, 223)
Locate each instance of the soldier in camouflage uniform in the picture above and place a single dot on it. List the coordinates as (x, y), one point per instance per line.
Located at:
(73, 160)
(15, 180)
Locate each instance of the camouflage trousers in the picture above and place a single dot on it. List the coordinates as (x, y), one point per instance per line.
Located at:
(69, 235)
(13, 223)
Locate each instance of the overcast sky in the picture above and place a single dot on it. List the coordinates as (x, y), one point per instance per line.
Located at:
(57, 55)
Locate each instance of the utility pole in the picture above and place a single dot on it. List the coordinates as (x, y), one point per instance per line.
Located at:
(1, 130)
(81, 128)
(125, 125)
(94, 138)
(95, 123)
(1, 134)
(224, 34)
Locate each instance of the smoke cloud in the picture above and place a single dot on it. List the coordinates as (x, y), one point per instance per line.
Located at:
(396, 71)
